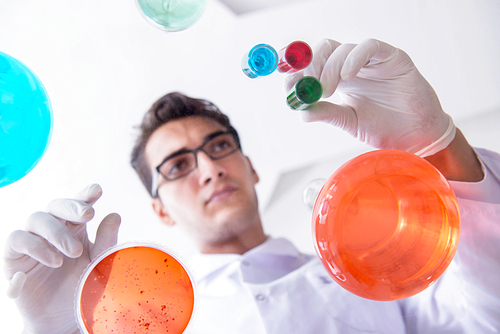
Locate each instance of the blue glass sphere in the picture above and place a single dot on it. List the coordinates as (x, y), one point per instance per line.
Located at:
(25, 120)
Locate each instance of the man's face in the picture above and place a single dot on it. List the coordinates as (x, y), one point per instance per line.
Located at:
(214, 202)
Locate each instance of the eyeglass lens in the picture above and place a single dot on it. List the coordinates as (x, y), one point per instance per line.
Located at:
(216, 148)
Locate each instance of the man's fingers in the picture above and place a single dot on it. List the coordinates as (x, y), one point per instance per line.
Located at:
(291, 80)
(341, 116)
(72, 210)
(55, 232)
(51, 235)
(78, 209)
(16, 284)
(90, 194)
(321, 52)
(106, 235)
(363, 53)
(24, 250)
(330, 76)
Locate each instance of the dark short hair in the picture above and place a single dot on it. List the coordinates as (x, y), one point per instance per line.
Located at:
(168, 108)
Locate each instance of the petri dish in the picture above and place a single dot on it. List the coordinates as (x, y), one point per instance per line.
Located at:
(135, 288)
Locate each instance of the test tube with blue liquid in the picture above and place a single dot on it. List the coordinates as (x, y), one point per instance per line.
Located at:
(260, 61)
(307, 90)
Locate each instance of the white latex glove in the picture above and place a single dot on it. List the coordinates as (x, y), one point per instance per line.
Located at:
(45, 262)
(386, 102)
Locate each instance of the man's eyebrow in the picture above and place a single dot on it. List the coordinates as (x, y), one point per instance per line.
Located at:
(185, 150)
(212, 135)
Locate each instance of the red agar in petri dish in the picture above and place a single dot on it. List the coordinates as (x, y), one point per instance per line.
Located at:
(136, 289)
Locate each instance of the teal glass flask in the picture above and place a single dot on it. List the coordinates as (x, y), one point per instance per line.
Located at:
(172, 15)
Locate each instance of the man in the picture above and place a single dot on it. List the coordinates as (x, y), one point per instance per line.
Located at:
(188, 156)
(211, 194)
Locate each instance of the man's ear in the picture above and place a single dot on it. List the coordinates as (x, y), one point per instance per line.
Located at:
(160, 211)
(254, 173)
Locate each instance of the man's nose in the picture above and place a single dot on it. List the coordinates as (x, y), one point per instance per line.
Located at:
(209, 169)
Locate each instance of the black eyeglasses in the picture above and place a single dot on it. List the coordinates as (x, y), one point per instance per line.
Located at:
(179, 164)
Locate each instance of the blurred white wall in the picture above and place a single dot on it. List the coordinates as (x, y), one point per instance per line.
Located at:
(103, 66)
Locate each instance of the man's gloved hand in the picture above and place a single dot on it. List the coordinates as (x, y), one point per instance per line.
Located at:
(386, 102)
(45, 262)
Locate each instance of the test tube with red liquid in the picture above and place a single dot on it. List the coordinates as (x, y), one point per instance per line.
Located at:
(294, 57)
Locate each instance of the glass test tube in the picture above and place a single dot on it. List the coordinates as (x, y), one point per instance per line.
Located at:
(260, 61)
(294, 57)
(307, 91)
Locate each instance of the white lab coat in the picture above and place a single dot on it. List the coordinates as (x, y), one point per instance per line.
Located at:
(273, 288)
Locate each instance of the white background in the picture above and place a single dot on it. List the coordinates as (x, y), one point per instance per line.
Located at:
(103, 65)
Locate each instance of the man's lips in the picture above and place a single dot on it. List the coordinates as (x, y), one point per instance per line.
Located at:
(221, 194)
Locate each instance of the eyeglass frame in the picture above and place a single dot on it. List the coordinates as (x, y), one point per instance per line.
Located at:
(155, 176)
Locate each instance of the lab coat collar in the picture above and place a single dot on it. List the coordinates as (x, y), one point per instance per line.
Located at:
(487, 189)
(202, 265)
(274, 246)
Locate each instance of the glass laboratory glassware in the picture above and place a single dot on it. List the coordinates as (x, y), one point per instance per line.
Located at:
(260, 61)
(25, 120)
(172, 15)
(294, 57)
(386, 225)
(306, 91)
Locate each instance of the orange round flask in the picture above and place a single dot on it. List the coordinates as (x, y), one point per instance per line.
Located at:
(386, 225)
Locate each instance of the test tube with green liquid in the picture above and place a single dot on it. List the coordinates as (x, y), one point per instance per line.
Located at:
(306, 91)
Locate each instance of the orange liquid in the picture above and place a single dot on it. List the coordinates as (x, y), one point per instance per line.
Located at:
(137, 290)
(386, 225)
